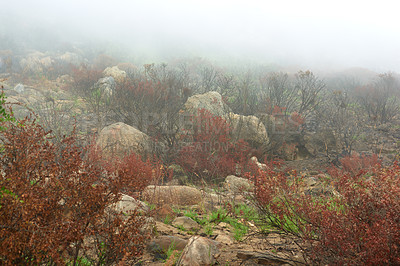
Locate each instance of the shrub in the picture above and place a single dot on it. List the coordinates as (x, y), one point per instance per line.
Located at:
(151, 101)
(210, 152)
(135, 174)
(84, 79)
(360, 224)
(354, 163)
(97, 99)
(5, 115)
(56, 209)
(380, 99)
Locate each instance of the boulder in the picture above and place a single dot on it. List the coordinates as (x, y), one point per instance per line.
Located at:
(237, 184)
(120, 139)
(106, 86)
(118, 74)
(261, 166)
(248, 128)
(127, 205)
(175, 195)
(186, 222)
(162, 243)
(199, 251)
(211, 101)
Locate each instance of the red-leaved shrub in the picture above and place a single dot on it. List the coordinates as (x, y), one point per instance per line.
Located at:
(359, 224)
(55, 200)
(134, 174)
(210, 153)
(355, 162)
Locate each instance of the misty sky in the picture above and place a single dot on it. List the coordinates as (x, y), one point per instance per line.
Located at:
(308, 33)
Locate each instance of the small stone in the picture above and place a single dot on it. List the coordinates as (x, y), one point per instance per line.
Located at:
(19, 88)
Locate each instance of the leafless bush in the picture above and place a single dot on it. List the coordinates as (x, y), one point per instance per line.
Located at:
(308, 86)
(380, 99)
(277, 90)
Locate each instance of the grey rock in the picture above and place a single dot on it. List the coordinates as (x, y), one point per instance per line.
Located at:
(106, 86)
(199, 251)
(20, 88)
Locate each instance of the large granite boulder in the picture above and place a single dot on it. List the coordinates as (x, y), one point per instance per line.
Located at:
(106, 86)
(118, 74)
(120, 139)
(210, 101)
(248, 128)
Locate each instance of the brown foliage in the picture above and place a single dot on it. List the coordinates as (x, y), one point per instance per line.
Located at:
(55, 201)
(210, 153)
(358, 224)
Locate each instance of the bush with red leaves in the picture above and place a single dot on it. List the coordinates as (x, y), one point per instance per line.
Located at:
(55, 210)
(354, 163)
(358, 225)
(211, 153)
(134, 174)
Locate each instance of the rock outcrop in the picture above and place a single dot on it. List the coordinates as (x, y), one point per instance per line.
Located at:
(120, 139)
(106, 86)
(248, 128)
(118, 74)
(210, 101)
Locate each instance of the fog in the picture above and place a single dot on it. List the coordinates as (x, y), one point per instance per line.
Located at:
(307, 34)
